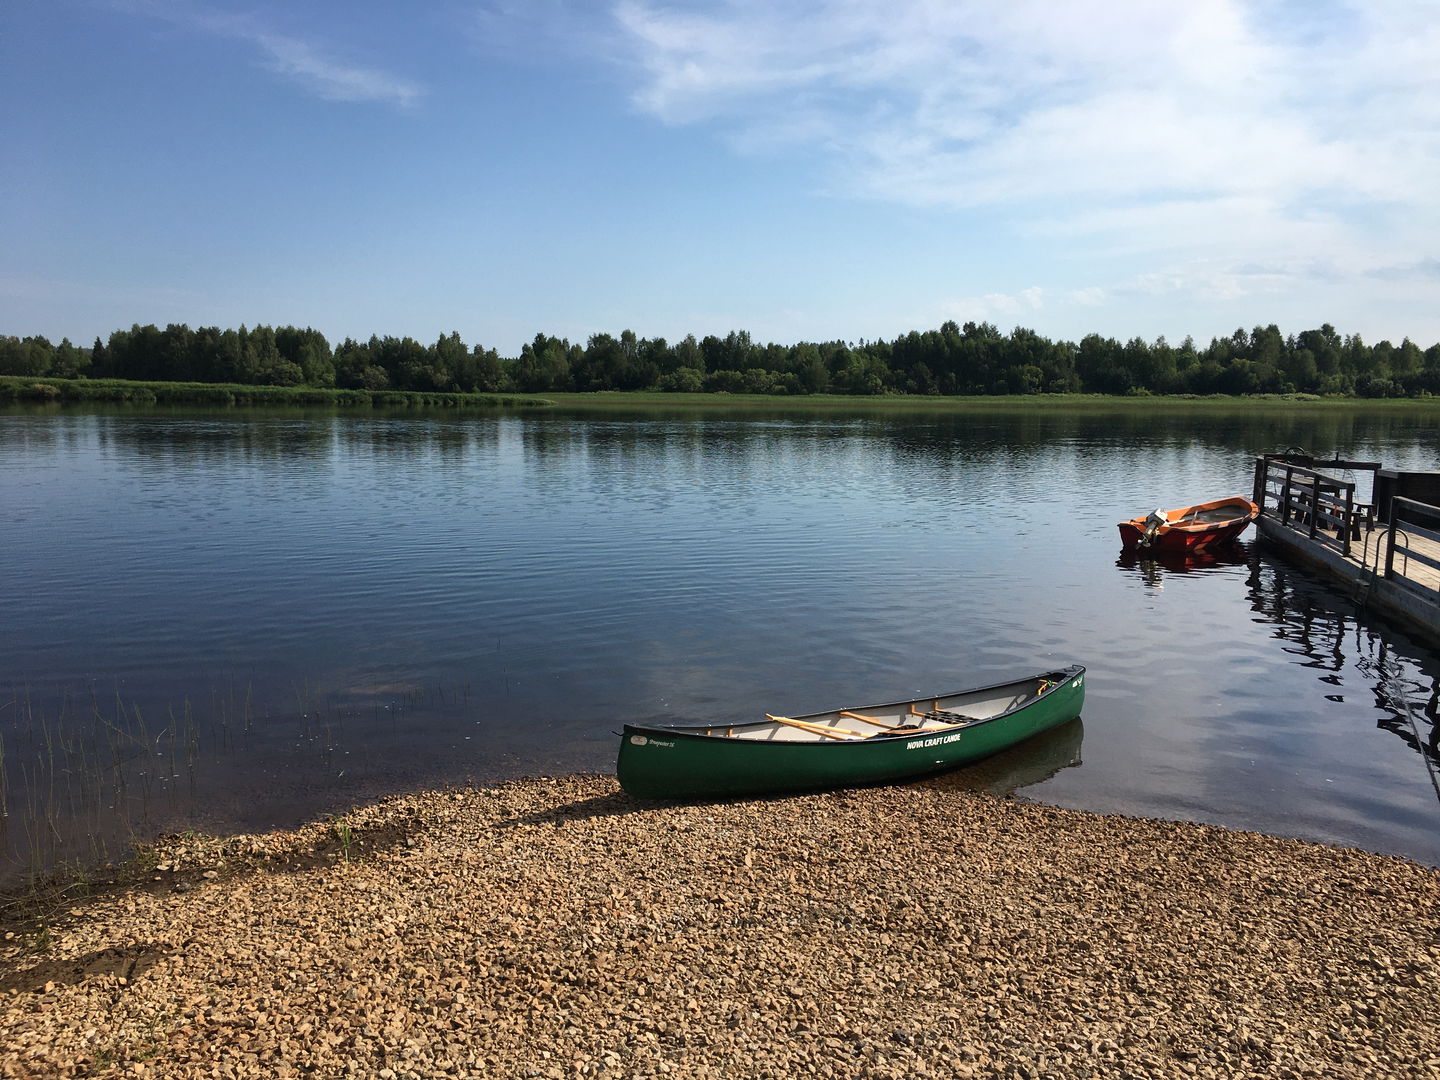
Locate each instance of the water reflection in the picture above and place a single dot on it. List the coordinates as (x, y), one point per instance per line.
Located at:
(295, 610)
(1154, 566)
(1032, 762)
(1318, 628)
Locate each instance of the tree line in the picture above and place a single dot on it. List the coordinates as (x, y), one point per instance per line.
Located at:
(973, 359)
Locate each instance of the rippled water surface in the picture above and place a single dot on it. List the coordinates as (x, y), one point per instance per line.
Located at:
(243, 620)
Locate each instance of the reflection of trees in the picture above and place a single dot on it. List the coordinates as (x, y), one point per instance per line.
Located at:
(308, 437)
(971, 437)
(1323, 632)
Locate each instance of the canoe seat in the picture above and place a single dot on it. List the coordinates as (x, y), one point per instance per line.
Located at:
(944, 717)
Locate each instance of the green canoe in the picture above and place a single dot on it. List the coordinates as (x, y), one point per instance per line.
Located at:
(864, 745)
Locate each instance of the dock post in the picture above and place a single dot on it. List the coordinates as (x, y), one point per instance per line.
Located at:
(1345, 522)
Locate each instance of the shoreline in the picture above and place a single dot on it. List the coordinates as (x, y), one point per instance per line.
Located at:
(559, 928)
(24, 390)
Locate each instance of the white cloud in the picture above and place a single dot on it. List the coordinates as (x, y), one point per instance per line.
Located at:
(329, 78)
(1005, 307)
(1198, 135)
(309, 65)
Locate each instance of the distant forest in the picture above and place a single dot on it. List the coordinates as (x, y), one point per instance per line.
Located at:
(974, 359)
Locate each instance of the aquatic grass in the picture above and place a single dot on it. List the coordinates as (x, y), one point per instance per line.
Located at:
(346, 838)
(611, 400)
(16, 388)
(89, 778)
(57, 391)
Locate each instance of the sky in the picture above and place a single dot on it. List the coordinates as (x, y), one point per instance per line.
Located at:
(801, 169)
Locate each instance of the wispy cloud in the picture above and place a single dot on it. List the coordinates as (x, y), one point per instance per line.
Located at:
(1186, 131)
(329, 78)
(307, 64)
(1004, 307)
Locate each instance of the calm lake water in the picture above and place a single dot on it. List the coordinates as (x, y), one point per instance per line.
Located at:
(241, 620)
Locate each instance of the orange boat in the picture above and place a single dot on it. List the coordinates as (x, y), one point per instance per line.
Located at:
(1190, 527)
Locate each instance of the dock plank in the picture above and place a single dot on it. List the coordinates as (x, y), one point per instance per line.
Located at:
(1369, 552)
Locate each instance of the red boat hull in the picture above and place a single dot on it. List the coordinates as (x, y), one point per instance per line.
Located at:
(1191, 528)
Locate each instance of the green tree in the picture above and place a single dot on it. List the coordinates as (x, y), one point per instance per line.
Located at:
(1100, 364)
(810, 370)
(70, 362)
(684, 380)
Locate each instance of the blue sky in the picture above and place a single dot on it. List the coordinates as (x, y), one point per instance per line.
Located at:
(802, 169)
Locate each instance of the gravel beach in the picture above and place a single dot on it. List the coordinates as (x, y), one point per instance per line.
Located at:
(558, 928)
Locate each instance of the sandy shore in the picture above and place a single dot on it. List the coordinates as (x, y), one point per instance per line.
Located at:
(557, 928)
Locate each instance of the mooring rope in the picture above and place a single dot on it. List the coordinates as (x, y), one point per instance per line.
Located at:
(1391, 681)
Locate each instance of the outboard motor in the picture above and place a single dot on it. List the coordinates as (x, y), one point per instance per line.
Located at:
(1153, 521)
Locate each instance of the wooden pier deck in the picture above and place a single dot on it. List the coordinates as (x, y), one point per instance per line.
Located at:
(1369, 551)
(1316, 517)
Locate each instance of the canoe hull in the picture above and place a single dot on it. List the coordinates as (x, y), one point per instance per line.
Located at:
(1230, 518)
(667, 763)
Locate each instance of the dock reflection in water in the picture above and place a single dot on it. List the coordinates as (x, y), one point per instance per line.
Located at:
(1322, 629)
(1244, 691)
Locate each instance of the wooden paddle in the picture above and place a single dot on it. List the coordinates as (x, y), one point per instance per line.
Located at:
(829, 733)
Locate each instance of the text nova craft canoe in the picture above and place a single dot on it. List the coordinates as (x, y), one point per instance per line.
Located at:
(868, 744)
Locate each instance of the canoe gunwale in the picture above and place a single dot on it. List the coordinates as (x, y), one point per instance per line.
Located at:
(657, 762)
(1060, 677)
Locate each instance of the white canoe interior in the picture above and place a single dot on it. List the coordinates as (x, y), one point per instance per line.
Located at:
(899, 718)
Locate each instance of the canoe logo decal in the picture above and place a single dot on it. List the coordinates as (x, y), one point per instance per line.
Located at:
(638, 740)
(1078, 681)
(941, 740)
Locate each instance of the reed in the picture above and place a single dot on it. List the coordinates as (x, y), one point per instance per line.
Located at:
(4, 784)
(87, 780)
(16, 388)
(345, 836)
(612, 400)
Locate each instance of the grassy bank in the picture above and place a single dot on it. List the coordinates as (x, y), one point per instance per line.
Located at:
(611, 400)
(25, 389)
(16, 388)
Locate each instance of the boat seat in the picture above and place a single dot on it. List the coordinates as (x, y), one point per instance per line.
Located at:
(944, 717)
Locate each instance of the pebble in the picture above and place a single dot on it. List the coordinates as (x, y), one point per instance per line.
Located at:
(557, 928)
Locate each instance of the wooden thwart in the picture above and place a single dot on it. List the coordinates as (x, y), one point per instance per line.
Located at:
(817, 729)
(867, 719)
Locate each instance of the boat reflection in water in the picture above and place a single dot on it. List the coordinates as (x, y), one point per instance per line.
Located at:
(1322, 628)
(1153, 564)
(1031, 762)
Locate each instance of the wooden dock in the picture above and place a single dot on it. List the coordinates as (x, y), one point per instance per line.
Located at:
(1317, 518)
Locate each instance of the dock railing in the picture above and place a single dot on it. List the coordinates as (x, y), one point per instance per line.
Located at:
(1311, 501)
(1414, 538)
